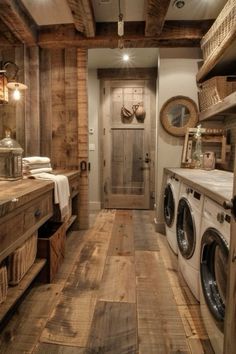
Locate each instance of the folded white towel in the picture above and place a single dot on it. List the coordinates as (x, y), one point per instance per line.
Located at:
(39, 170)
(36, 159)
(34, 166)
(61, 190)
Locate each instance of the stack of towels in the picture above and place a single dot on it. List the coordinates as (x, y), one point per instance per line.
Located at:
(36, 164)
(40, 168)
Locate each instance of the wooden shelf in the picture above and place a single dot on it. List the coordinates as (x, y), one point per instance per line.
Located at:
(15, 292)
(221, 62)
(70, 221)
(224, 108)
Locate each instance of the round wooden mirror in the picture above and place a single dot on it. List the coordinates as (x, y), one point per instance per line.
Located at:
(178, 114)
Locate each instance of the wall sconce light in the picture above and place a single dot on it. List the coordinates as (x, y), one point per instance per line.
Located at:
(8, 74)
(3, 87)
(17, 87)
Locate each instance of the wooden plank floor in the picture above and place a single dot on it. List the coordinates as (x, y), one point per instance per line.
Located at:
(118, 292)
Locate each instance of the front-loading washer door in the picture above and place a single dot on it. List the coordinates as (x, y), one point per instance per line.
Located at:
(185, 227)
(169, 205)
(213, 270)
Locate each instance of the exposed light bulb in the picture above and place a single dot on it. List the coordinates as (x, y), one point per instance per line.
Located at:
(125, 57)
(16, 94)
(120, 26)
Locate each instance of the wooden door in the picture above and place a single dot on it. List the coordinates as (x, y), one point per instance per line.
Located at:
(126, 145)
(230, 319)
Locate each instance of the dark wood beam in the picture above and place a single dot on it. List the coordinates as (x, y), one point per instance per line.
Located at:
(83, 15)
(155, 16)
(7, 38)
(174, 34)
(13, 14)
(127, 74)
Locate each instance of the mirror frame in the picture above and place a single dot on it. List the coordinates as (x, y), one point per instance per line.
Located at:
(180, 100)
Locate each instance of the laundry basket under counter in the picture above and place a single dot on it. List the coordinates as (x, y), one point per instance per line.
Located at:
(51, 246)
(25, 205)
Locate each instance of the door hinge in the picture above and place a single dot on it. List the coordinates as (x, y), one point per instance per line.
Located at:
(104, 131)
(104, 90)
(104, 163)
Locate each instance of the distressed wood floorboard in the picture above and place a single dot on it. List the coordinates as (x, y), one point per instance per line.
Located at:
(114, 329)
(118, 292)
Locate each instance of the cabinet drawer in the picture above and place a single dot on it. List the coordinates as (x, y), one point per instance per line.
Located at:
(74, 187)
(10, 231)
(40, 208)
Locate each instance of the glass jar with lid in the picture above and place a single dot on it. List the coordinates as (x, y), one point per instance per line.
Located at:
(10, 159)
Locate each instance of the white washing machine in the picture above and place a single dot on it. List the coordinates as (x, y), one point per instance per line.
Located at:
(188, 223)
(171, 197)
(215, 238)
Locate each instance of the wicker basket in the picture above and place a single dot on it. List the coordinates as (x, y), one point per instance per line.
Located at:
(223, 28)
(21, 260)
(215, 90)
(3, 283)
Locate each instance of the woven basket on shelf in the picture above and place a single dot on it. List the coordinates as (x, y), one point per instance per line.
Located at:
(3, 283)
(223, 28)
(215, 90)
(21, 260)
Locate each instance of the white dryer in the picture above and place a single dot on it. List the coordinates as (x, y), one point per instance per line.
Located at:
(188, 223)
(171, 197)
(215, 238)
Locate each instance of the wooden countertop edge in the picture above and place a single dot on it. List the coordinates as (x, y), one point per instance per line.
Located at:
(200, 188)
(29, 189)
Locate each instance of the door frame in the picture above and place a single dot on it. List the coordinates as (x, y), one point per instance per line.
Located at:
(139, 74)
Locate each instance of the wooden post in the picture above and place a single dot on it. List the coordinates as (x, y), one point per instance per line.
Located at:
(230, 318)
(82, 59)
(32, 113)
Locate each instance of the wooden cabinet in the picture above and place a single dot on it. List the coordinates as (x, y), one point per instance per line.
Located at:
(25, 205)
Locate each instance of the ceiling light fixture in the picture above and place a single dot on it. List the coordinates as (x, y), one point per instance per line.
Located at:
(179, 3)
(126, 57)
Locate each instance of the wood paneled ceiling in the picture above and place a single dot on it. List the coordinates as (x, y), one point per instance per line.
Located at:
(93, 23)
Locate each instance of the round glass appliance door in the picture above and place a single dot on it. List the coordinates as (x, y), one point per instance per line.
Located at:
(169, 205)
(213, 270)
(185, 228)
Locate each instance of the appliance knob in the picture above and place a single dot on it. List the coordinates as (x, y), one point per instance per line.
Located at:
(221, 217)
(188, 190)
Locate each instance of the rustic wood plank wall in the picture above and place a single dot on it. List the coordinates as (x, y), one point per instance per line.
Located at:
(32, 108)
(82, 61)
(59, 111)
(64, 114)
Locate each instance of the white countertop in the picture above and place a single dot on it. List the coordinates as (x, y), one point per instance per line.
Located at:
(216, 184)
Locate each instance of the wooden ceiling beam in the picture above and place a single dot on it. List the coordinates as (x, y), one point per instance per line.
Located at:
(83, 15)
(174, 34)
(14, 16)
(156, 11)
(7, 38)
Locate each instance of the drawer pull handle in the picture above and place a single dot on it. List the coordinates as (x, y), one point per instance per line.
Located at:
(37, 213)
